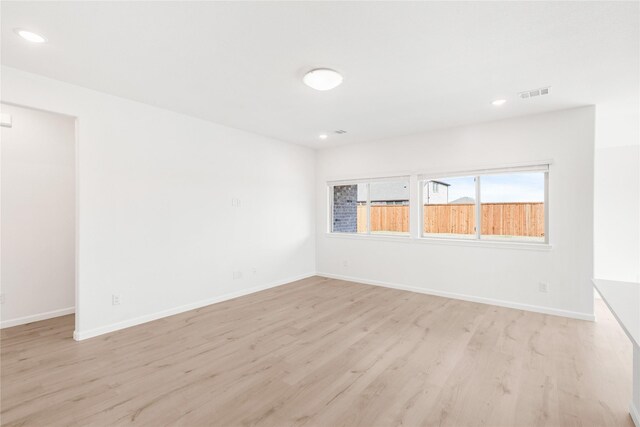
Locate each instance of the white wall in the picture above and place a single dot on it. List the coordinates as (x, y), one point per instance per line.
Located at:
(617, 190)
(38, 216)
(507, 276)
(156, 222)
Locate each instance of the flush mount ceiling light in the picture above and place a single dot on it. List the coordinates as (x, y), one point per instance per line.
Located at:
(322, 79)
(498, 102)
(323, 136)
(30, 36)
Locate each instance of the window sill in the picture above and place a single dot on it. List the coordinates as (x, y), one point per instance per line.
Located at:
(544, 247)
(540, 247)
(381, 236)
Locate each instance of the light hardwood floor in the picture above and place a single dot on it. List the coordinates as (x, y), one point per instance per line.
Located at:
(323, 352)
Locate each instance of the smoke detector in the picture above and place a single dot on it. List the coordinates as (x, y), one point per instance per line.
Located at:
(535, 92)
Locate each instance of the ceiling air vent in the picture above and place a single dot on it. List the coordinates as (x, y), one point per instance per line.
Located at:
(535, 92)
(340, 131)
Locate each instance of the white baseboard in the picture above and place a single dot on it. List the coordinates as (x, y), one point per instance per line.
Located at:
(634, 411)
(36, 317)
(472, 298)
(83, 335)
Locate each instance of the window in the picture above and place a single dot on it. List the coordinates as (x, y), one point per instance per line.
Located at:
(500, 204)
(347, 213)
(451, 212)
(507, 204)
(377, 206)
(513, 206)
(389, 209)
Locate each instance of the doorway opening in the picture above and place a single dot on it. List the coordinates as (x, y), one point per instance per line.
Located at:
(38, 216)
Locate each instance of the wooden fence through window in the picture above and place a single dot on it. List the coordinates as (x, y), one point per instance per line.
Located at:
(505, 219)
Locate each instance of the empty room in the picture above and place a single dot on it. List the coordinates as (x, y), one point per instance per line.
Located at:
(320, 213)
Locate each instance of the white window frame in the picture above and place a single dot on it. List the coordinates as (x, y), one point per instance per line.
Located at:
(367, 182)
(477, 175)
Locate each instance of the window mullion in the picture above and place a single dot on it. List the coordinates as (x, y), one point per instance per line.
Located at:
(420, 218)
(331, 213)
(546, 207)
(478, 210)
(368, 208)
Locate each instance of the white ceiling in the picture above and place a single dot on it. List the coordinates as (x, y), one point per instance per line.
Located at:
(408, 67)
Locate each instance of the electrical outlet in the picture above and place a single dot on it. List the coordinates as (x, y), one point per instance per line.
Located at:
(543, 287)
(254, 270)
(116, 299)
(237, 275)
(345, 263)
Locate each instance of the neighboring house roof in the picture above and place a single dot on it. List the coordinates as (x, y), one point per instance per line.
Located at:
(388, 191)
(463, 201)
(385, 192)
(440, 182)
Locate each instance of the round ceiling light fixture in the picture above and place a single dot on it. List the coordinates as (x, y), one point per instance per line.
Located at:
(322, 79)
(323, 136)
(499, 102)
(30, 36)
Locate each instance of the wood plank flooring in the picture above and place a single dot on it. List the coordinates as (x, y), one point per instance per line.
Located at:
(323, 352)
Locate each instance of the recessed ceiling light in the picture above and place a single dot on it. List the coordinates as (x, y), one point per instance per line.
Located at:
(30, 36)
(323, 136)
(498, 102)
(322, 79)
